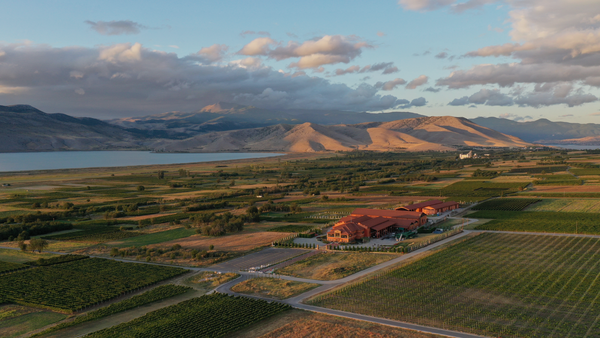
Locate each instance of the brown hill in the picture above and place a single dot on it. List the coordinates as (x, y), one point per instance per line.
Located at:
(415, 134)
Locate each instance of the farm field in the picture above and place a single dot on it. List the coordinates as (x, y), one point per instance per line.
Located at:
(156, 294)
(153, 238)
(330, 266)
(17, 320)
(567, 205)
(296, 323)
(14, 256)
(272, 287)
(540, 221)
(493, 284)
(6, 267)
(220, 314)
(506, 204)
(72, 286)
(236, 242)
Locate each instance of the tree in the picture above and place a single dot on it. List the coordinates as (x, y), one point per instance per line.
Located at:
(161, 174)
(211, 247)
(114, 252)
(141, 188)
(38, 244)
(22, 245)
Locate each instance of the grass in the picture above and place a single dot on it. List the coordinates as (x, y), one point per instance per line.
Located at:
(296, 323)
(330, 266)
(154, 238)
(209, 280)
(15, 256)
(493, 284)
(272, 287)
(22, 324)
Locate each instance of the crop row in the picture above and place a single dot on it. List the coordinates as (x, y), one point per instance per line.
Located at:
(506, 204)
(209, 316)
(493, 284)
(6, 267)
(56, 260)
(540, 221)
(103, 234)
(156, 294)
(72, 286)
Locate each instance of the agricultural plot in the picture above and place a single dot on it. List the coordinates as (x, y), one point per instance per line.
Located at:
(506, 204)
(493, 284)
(95, 235)
(156, 294)
(153, 238)
(210, 316)
(17, 320)
(567, 205)
(475, 189)
(540, 221)
(292, 228)
(272, 287)
(72, 286)
(540, 169)
(6, 267)
(330, 266)
(585, 171)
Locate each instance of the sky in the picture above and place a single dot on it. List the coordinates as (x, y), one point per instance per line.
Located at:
(516, 59)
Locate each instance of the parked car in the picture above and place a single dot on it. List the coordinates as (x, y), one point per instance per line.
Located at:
(438, 231)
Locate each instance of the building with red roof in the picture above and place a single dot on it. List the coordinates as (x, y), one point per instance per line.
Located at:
(431, 207)
(376, 223)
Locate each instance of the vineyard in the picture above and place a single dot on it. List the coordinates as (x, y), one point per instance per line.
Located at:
(493, 284)
(104, 234)
(72, 286)
(540, 169)
(586, 171)
(209, 316)
(540, 221)
(156, 294)
(506, 204)
(567, 205)
(474, 189)
(56, 260)
(6, 267)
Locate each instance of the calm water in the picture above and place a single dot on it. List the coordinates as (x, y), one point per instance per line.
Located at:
(96, 159)
(574, 146)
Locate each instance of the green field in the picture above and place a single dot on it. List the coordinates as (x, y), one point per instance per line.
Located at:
(72, 286)
(19, 325)
(540, 221)
(154, 238)
(6, 267)
(16, 256)
(94, 235)
(156, 294)
(506, 204)
(493, 284)
(567, 205)
(210, 316)
(585, 171)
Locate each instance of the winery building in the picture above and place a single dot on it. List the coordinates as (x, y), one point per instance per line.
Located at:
(432, 207)
(374, 223)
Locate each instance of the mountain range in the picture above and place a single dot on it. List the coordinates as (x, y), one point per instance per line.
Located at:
(230, 127)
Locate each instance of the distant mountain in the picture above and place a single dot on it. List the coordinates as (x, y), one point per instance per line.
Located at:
(415, 134)
(25, 128)
(543, 130)
(227, 116)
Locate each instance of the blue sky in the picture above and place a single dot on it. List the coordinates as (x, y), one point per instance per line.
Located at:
(124, 58)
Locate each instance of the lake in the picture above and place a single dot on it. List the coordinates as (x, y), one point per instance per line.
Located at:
(574, 146)
(105, 159)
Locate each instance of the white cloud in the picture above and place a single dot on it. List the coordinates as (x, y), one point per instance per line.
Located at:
(80, 91)
(389, 85)
(329, 49)
(115, 27)
(123, 52)
(130, 80)
(213, 53)
(419, 81)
